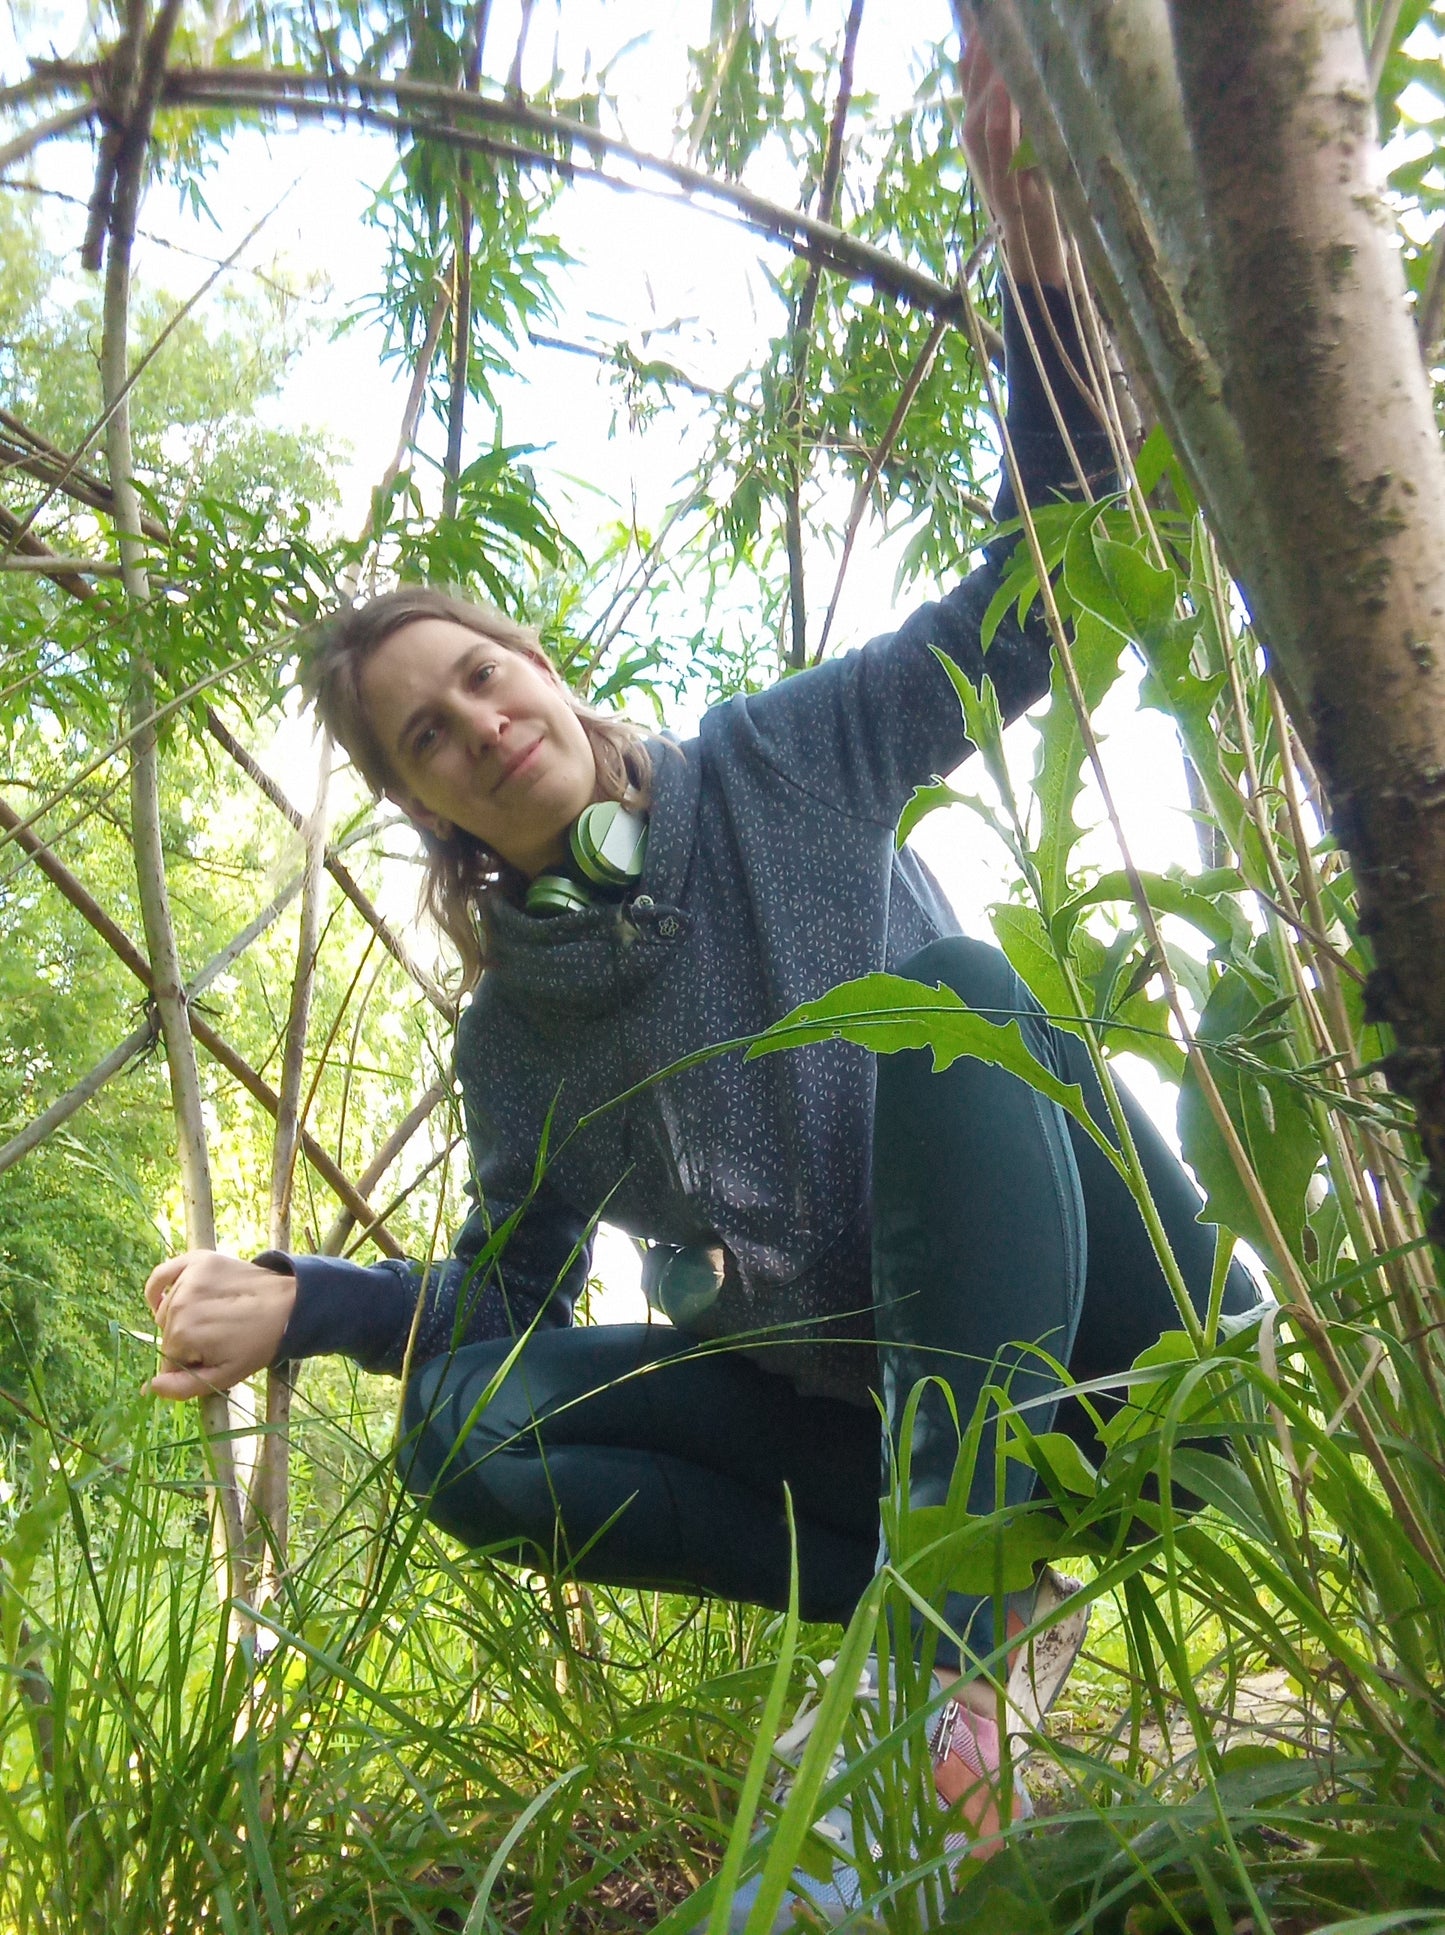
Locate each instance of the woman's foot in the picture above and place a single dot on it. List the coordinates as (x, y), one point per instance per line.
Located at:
(966, 1765)
(966, 1758)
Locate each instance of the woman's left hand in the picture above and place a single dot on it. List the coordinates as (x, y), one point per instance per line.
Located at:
(1019, 199)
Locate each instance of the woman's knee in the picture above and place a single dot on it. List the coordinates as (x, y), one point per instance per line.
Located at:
(978, 972)
(456, 1412)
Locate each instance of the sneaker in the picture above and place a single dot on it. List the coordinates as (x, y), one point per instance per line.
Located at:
(1037, 1671)
(966, 1761)
(812, 1902)
(966, 1758)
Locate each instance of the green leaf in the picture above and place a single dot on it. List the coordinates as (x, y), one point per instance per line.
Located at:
(1021, 933)
(982, 721)
(1219, 919)
(926, 800)
(887, 1012)
(1269, 1115)
(1059, 767)
(1055, 1453)
(1144, 591)
(939, 1550)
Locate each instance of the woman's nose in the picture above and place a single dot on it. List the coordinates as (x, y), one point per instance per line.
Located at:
(482, 724)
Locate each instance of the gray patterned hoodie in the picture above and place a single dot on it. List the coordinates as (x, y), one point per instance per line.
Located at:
(771, 875)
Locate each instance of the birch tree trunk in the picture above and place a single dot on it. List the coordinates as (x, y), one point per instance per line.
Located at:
(1322, 373)
(1217, 162)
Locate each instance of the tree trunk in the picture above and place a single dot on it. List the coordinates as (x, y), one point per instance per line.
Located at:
(267, 1518)
(1323, 376)
(1221, 179)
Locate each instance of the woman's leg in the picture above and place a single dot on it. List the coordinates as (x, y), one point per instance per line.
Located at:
(978, 1243)
(999, 1222)
(630, 1455)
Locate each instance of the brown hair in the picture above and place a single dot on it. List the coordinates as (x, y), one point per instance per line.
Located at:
(462, 872)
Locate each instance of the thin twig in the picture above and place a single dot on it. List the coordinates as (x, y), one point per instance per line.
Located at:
(139, 1040)
(210, 1039)
(338, 870)
(915, 380)
(421, 1111)
(134, 374)
(25, 143)
(801, 346)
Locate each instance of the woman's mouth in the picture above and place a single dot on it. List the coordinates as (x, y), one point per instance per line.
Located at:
(517, 763)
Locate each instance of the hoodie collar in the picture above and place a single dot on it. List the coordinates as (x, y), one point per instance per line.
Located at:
(591, 963)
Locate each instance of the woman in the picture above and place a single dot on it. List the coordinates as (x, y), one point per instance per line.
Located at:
(837, 1240)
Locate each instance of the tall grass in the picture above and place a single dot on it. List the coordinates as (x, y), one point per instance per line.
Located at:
(417, 1739)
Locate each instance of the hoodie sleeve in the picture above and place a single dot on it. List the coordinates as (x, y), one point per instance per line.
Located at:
(520, 1258)
(863, 730)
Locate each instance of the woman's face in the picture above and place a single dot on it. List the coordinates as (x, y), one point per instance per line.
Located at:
(479, 737)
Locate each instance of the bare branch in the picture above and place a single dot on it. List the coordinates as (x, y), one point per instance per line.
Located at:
(22, 448)
(47, 564)
(64, 1106)
(210, 1039)
(802, 341)
(434, 113)
(36, 555)
(21, 145)
(139, 1039)
(916, 378)
(335, 1238)
(339, 872)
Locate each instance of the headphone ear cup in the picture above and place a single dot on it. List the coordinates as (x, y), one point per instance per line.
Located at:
(557, 893)
(609, 843)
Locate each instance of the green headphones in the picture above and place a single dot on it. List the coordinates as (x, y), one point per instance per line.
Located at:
(608, 846)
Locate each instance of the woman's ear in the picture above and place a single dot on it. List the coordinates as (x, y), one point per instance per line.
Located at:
(432, 823)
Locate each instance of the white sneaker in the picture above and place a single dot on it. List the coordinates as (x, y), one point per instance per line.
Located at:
(966, 1756)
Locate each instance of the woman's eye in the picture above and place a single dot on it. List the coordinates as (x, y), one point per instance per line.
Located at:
(483, 671)
(424, 741)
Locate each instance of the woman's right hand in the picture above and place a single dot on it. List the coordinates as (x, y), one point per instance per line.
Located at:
(220, 1320)
(1019, 199)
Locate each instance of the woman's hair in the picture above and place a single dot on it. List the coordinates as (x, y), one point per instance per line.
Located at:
(462, 872)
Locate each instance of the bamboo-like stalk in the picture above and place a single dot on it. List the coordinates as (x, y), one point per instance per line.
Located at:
(421, 1112)
(138, 1041)
(335, 866)
(74, 1099)
(23, 448)
(210, 1038)
(268, 1509)
(151, 886)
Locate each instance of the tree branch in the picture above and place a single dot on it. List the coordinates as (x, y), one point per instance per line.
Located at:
(320, 95)
(139, 1039)
(215, 1044)
(338, 870)
(25, 143)
(334, 1240)
(25, 449)
(802, 340)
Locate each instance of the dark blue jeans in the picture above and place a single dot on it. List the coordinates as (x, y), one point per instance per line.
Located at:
(636, 1455)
